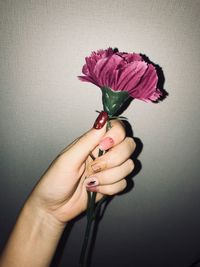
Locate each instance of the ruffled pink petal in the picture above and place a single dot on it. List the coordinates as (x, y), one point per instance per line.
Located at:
(131, 57)
(146, 89)
(104, 69)
(156, 95)
(85, 70)
(131, 75)
(122, 72)
(109, 52)
(91, 63)
(102, 54)
(87, 79)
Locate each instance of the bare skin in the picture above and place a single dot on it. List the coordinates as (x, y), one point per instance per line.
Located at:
(61, 194)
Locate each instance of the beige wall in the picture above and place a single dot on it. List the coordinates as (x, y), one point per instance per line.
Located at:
(44, 107)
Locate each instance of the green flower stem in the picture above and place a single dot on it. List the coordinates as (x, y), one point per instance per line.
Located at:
(91, 212)
(85, 244)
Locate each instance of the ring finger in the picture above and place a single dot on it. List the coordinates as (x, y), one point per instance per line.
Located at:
(110, 176)
(110, 189)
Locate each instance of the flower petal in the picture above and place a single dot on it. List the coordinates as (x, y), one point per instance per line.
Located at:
(131, 75)
(91, 63)
(121, 71)
(85, 70)
(104, 69)
(87, 79)
(131, 57)
(147, 88)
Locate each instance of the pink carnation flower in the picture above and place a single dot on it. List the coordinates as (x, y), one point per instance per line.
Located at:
(122, 72)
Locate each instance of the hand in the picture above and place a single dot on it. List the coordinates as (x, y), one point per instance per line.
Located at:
(62, 191)
(61, 194)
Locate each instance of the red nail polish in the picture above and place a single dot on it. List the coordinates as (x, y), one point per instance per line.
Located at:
(101, 120)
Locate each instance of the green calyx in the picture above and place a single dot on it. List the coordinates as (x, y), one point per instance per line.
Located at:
(113, 100)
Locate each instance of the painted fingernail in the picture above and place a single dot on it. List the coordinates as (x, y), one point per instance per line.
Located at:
(101, 120)
(91, 182)
(106, 143)
(98, 166)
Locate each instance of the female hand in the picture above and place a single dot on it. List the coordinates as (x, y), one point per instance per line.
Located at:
(62, 191)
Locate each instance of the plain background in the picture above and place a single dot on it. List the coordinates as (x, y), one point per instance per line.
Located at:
(44, 107)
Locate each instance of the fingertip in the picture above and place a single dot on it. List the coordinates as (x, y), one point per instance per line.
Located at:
(111, 189)
(106, 143)
(101, 120)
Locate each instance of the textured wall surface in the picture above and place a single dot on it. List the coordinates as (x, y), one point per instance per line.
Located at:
(44, 107)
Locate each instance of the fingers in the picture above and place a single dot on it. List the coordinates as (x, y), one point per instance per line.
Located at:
(110, 181)
(79, 150)
(110, 189)
(117, 134)
(110, 176)
(115, 156)
(93, 139)
(110, 169)
(85, 144)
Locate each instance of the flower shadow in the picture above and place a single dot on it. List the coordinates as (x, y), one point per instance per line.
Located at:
(161, 78)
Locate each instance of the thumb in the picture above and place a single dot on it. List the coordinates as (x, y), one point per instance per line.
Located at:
(80, 150)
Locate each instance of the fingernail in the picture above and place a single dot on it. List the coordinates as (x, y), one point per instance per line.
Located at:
(98, 166)
(91, 182)
(101, 120)
(106, 143)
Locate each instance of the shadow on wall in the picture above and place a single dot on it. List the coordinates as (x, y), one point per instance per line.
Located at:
(161, 78)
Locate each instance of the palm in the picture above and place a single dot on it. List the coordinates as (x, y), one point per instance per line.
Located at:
(62, 189)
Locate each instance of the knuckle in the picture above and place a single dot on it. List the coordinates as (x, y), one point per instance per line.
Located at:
(115, 155)
(131, 165)
(120, 130)
(109, 191)
(123, 184)
(131, 143)
(122, 133)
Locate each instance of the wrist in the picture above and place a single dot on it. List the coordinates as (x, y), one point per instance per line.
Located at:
(34, 238)
(42, 216)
